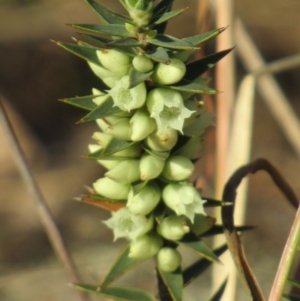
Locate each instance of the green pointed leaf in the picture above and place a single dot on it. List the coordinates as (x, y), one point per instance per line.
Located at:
(116, 293)
(113, 147)
(138, 187)
(291, 297)
(197, 268)
(192, 87)
(211, 202)
(107, 16)
(193, 242)
(161, 155)
(83, 102)
(86, 52)
(174, 283)
(106, 43)
(218, 229)
(182, 141)
(159, 55)
(197, 68)
(122, 264)
(170, 42)
(162, 7)
(294, 283)
(204, 37)
(104, 110)
(199, 126)
(219, 293)
(113, 30)
(126, 42)
(167, 16)
(137, 77)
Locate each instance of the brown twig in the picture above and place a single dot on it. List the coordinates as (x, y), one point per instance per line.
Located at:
(233, 240)
(43, 210)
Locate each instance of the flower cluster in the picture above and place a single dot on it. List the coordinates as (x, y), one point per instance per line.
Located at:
(151, 125)
(152, 116)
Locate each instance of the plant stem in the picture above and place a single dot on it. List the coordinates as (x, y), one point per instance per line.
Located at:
(286, 260)
(42, 208)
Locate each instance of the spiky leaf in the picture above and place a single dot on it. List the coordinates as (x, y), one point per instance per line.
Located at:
(116, 293)
(113, 30)
(159, 55)
(192, 87)
(122, 264)
(198, 128)
(86, 52)
(161, 8)
(125, 42)
(197, 68)
(170, 42)
(193, 242)
(107, 16)
(113, 147)
(167, 16)
(137, 77)
(174, 283)
(197, 268)
(219, 293)
(204, 37)
(83, 102)
(104, 110)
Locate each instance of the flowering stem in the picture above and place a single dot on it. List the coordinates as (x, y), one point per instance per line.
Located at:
(45, 215)
(286, 260)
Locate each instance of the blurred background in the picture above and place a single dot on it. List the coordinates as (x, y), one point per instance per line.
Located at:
(35, 73)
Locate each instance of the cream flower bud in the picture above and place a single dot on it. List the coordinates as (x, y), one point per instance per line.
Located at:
(173, 227)
(127, 171)
(150, 167)
(162, 140)
(145, 246)
(128, 225)
(167, 108)
(121, 129)
(111, 189)
(142, 63)
(178, 168)
(184, 199)
(106, 76)
(128, 99)
(145, 200)
(168, 259)
(167, 74)
(142, 125)
(183, 55)
(115, 61)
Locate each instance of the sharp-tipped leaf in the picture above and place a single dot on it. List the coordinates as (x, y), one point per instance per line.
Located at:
(116, 293)
(162, 7)
(159, 55)
(160, 155)
(114, 29)
(197, 268)
(167, 16)
(104, 110)
(86, 52)
(192, 87)
(174, 283)
(107, 16)
(218, 229)
(83, 102)
(204, 37)
(122, 264)
(113, 147)
(291, 297)
(197, 68)
(219, 293)
(125, 42)
(137, 77)
(170, 42)
(193, 242)
(198, 127)
(102, 202)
